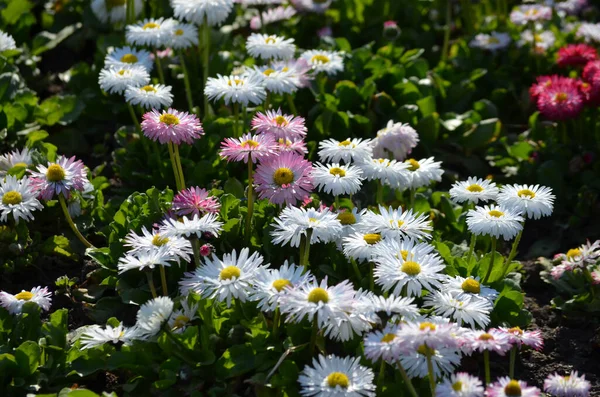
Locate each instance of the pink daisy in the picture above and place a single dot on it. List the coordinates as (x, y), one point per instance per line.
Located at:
(248, 146)
(284, 179)
(518, 337)
(561, 101)
(506, 387)
(576, 55)
(195, 201)
(171, 126)
(61, 177)
(279, 125)
(297, 146)
(545, 82)
(595, 276)
(299, 69)
(590, 70)
(492, 340)
(557, 271)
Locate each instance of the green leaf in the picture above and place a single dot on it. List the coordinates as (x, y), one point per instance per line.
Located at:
(482, 134)
(427, 105)
(45, 41)
(15, 10)
(56, 330)
(28, 357)
(82, 393)
(234, 187)
(236, 361)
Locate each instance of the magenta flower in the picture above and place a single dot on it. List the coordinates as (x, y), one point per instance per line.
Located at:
(61, 177)
(560, 102)
(195, 201)
(206, 249)
(253, 146)
(296, 146)
(172, 126)
(279, 125)
(284, 179)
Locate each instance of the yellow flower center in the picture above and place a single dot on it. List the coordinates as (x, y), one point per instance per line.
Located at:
(414, 164)
(148, 88)
(21, 164)
(181, 321)
(169, 119)
(129, 58)
(270, 40)
(573, 252)
(425, 350)
(372, 238)
(493, 40)
(411, 268)
(121, 72)
(235, 82)
(337, 171)
(340, 379)
(268, 72)
(471, 285)
(486, 336)
(531, 12)
(114, 3)
(283, 176)
(280, 120)
(179, 32)
(318, 295)
(515, 330)
(561, 97)
(150, 25)
(427, 326)
(347, 142)
(280, 284)
(457, 386)
(285, 69)
(399, 223)
(496, 213)
(387, 338)
(159, 241)
(313, 220)
(250, 143)
(230, 272)
(55, 173)
(319, 58)
(346, 218)
(512, 389)
(404, 254)
(24, 296)
(13, 197)
(474, 188)
(526, 193)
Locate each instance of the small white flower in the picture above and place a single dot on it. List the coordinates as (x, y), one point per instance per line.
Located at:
(395, 307)
(469, 287)
(330, 62)
(115, 80)
(180, 318)
(473, 190)
(388, 172)
(380, 345)
(460, 384)
(396, 138)
(398, 224)
(405, 248)
(533, 201)
(213, 12)
(276, 80)
(540, 41)
(17, 199)
(492, 42)
(444, 360)
(95, 335)
(345, 325)
(7, 42)
(590, 32)
(435, 332)
(270, 46)
(15, 159)
(526, 13)
(571, 385)
(348, 150)
(271, 284)
(506, 387)
(114, 11)
(151, 32)
(293, 223)
(127, 56)
(196, 226)
(337, 179)
(495, 221)
(153, 314)
(461, 308)
(350, 221)
(333, 376)
(178, 247)
(152, 96)
(362, 246)
(183, 36)
(423, 172)
(242, 89)
(147, 259)
(492, 340)
(14, 303)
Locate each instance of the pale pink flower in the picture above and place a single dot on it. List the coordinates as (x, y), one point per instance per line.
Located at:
(492, 340)
(172, 126)
(195, 201)
(279, 125)
(297, 146)
(284, 179)
(60, 177)
(519, 337)
(506, 387)
(299, 70)
(248, 146)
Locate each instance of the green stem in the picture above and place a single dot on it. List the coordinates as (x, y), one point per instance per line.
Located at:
(244, 114)
(379, 196)
(513, 250)
(486, 363)
(163, 281)
(136, 121)
(186, 81)
(65, 209)
(304, 259)
(276, 320)
(179, 167)
(161, 76)
(180, 345)
(407, 381)
(151, 283)
(267, 100)
(432, 383)
(471, 247)
(236, 120)
(250, 198)
(290, 100)
(313, 335)
(196, 250)
(205, 59)
(489, 271)
(513, 356)
(381, 376)
(174, 165)
(337, 202)
(371, 276)
(446, 44)
(130, 12)
(356, 270)
(301, 252)
(412, 198)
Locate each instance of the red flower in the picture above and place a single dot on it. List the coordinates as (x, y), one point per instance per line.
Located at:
(590, 70)
(545, 82)
(561, 101)
(576, 55)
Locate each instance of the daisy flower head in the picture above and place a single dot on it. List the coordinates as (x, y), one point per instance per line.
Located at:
(506, 387)
(576, 55)
(532, 201)
(388, 172)
(337, 179)
(463, 309)
(348, 150)
(175, 247)
(317, 6)
(267, 46)
(199, 12)
(540, 41)
(491, 42)
(335, 376)
(17, 198)
(192, 226)
(128, 56)
(95, 335)
(183, 35)
(585, 254)
(524, 14)
(361, 246)
(406, 248)
(15, 158)
(299, 70)
(272, 15)
(473, 190)
(293, 223)
(415, 273)
(345, 325)
(181, 318)
(7, 42)
(462, 287)
(146, 259)
(60, 177)
(491, 340)
(242, 89)
(571, 385)
(224, 279)
(171, 126)
(423, 172)
(329, 62)
(396, 223)
(590, 69)
(279, 125)
(493, 220)
(195, 201)
(150, 32)
(460, 384)
(14, 303)
(397, 139)
(114, 11)
(435, 332)
(444, 360)
(518, 337)
(271, 284)
(349, 219)
(571, 7)
(379, 345)
(151, 96)
(278, 81)
(561, 101)
(115, 80)
(153, 314)
(248, 147)
(286, 178)
(589, 32)
(543, 83)
(297, 146)
(394, 307)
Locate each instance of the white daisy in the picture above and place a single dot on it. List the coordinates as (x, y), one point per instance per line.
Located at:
(345, 325)
(151, 32)
(460, 287)
(318, 6)
(333, 376)
(330, 62)
(15, 158)
(589, 32)
(14, 303)
(380, 345)
(267, 46)
(243, 89)
(7, 42)
(388, 172)
(583, 255)
(473, 190)
(495, 221)
(444, 360)
(405, 248)
(95, 335)
(540, 41)
(571, 385)
(361, 246)
(299, 70)
(114, 11)
(226, 279)
(276, 80)
(17, 199)
(127, 56)
(460, 308)
(115, 80)
(533, 201)
(506, 387)
(152, 96)
(213, 12)
(180, 318)
(272, 15)
(196, 226)
(349, 219)
(147, 259)
(526, 13)
(153, 314)
(183, 36)
(492, 42)
(398, 224)
(348, 150)
(337, 179)
(492, 340)
(420, 271)
(293, 223)
(394, 307)
(178, 247)
(435, 332)
(460, 384)
(423, 172)
(397, 139)
(271, 284)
